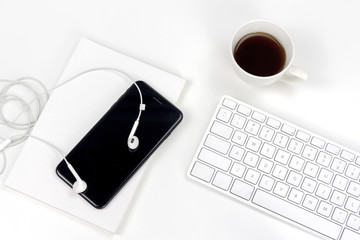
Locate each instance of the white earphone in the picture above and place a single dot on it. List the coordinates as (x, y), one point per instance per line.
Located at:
(133, 141)
(79, 185)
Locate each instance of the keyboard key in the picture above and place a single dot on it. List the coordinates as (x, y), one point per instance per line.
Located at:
(266, 134)
(221, 129)
(308, 185)
(347, 155)
(265, 165)
(281, 189)
(282, 157)
(297, 214)
(325, 176)
(358, 161)
(295, 196)
(252, 127)
(239, 137)
(294, 179)
(354, 189)
(252, 176)
(295, 146)
(338, 165)
(339, 215)
(217, 144)
(244, 110)
(353, 222)
(236, 153)
(332, 149)
(323, 191)
(202, 171)
(303, 136)
(238, 170)
(352, 205)
(251, 159)
(311, 169)
(273, 123)
(309, 152)
(229, 103)
(349, 235)
(258, 116)
(296, 163)
(238, 121)
(324, 209)
(222, 180)
(352, 172)
(324, 159)
(267, 150)
(340, 182)
(214, 159)
(288, 129)
(266, 182)
(224, 115)
(253, 144)
(281, 140)
(338, 198)
(310, 202)
(317, 142)
(242, 189)
(279, 172)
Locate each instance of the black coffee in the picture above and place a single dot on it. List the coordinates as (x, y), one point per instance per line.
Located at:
(260, 54)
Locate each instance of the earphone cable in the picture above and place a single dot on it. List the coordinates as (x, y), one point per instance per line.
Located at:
(39, 99)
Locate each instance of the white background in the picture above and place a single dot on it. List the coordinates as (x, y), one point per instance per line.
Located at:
(190, 39)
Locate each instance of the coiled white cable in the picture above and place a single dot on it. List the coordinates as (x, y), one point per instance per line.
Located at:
(3, 157)
(39, 99)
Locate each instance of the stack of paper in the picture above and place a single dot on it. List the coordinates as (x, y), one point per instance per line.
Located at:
(70, 113)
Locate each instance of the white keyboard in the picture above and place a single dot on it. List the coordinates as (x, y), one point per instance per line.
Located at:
(282, 169)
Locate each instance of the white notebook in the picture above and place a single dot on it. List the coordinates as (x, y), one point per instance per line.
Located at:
(69, 114)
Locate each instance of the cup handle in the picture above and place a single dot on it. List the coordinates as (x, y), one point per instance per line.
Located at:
(296, 73)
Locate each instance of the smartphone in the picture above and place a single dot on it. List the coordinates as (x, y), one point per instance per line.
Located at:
(103, 159)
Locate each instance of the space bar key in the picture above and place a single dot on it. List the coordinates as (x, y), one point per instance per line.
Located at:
(296, 214)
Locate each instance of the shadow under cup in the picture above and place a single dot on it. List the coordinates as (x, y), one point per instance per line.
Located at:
(265, 28)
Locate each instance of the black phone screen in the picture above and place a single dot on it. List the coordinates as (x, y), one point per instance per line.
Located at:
(103, 159)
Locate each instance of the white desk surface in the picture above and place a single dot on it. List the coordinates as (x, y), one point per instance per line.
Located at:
(189, 39)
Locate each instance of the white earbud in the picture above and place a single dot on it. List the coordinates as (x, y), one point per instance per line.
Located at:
(133, 141)
(80, 185)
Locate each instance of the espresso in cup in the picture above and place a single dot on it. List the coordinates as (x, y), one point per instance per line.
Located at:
(260, 54)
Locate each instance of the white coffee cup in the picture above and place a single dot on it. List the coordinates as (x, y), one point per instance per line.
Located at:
(277, 32)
